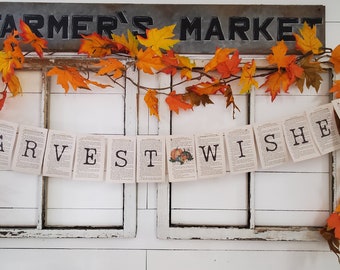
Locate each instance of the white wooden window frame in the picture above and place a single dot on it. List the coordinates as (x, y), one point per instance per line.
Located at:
(41, 230)
(166, 230)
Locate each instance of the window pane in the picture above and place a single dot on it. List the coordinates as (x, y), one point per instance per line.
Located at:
(84, 203)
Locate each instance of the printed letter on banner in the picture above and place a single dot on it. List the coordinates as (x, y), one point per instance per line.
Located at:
(210, 155)
(241, 149)
(90, 157)
(150, 159)
(60, 148)
(324, 130)
(8, 134)
(181, 158)
(121, 159)
(29, 151)
(271, 144)
(299, 139)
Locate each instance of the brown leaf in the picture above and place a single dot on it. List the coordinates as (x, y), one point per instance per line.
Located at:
(230, 100)
(196, 99)
(311, 74)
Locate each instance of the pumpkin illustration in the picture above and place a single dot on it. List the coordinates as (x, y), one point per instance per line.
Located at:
(175, 153)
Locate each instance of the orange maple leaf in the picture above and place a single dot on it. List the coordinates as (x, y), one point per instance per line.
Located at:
(3, 98)
(171, 62)
(148, 61)
(207, 88)
(111, 67)
(221, 55)
(130, 43)
(69, 75)
(176, 101)
(275, 82)
(279, 57)
(230, 66)
(333, 222)
(94, 45)
(158, 39)
(28, 37)
(11, 43)
(247, 77)
(307, 40)
(336, 89)
(174, 62)
(151, 101)
(335, 59)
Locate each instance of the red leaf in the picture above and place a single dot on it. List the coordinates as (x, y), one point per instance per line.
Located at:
(39, 44)
(230, 66)
(2, 100)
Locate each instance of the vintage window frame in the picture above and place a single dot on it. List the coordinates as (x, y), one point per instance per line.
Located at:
(129, 226)
(165, 230)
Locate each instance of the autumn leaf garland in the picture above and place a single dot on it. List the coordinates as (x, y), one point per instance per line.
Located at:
(154, 54)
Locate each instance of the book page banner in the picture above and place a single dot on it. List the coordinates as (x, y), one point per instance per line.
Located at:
(173, 158)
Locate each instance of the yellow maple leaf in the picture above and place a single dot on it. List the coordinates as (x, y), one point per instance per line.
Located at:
(151, 101)
(186, 66)
(130, 43)
(307, 40)
(8, 63)
(158, 39)
(14, 85)
(221, 55)
(148, 61)
(335, 59)
(28, 37)
(111, 67)
(247, 77)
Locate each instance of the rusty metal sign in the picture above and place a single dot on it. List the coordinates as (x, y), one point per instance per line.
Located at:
(253, 29)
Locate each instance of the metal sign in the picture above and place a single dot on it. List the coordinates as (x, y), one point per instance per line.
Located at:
(253, 29)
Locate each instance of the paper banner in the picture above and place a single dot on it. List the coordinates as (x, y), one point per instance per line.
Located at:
(29, 150)
(150, 159)
(59, 154)
(210, 155)
(241, 149)
(299, 139)
(90, 158)
(181, 158)
(324, 130)
(271, 144)
(7, 143)
(127, 159)
(121, 159)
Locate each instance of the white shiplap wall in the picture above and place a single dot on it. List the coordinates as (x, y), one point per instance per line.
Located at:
(146, 252)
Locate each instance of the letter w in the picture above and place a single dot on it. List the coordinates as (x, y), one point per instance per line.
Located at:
(206, 154)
